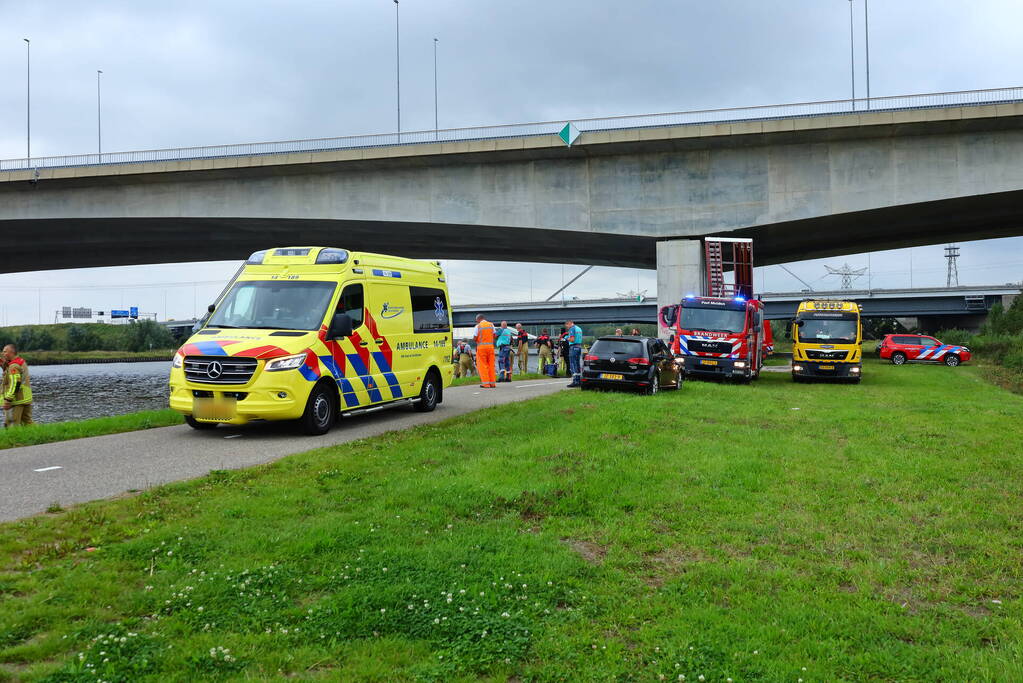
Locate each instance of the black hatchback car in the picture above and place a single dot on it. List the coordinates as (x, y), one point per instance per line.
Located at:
(643, 363)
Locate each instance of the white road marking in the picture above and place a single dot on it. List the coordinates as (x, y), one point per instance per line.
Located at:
(233, 436)
(538, 384)
(475, 393)
(47, 469)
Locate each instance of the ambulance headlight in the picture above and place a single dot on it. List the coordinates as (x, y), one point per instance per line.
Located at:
(285, 363)
(178, 360)
(257, 258)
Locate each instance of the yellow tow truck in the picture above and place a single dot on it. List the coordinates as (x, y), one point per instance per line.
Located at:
(826, 340)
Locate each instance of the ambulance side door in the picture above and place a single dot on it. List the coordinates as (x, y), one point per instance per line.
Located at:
(351, 355)
(431, 325)
(389, 322)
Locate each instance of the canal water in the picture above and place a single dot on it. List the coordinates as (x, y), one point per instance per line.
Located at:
(78, 392)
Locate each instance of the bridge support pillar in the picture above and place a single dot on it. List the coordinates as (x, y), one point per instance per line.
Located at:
(680, 271)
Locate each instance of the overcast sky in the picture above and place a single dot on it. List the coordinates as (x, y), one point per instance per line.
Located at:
(196, 73)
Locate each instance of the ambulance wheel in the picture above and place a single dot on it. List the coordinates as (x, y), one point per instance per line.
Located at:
(320, 411)
(951, 360)
(201, 426)
(429, 394)
(898, 358)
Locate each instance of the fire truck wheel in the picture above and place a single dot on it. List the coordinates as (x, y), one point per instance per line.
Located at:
(898, 358)
(201, 426)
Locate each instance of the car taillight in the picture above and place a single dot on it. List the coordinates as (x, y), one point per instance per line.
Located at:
(590, 357)
(639, 361)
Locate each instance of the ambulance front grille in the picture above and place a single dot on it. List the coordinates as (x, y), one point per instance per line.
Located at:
(219, 369)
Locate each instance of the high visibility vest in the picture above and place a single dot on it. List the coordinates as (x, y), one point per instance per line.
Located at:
(485, 336)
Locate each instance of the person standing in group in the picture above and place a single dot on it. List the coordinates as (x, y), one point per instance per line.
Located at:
(17, 388)
(483, 335)
(3, 384)
(575, 351)
(544, 348)
(504, 349)
(522, 339)
(463, 359)
(635, 332)
(563, 352)
(618, 332)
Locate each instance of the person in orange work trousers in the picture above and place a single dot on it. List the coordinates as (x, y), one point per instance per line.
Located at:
(483, 335)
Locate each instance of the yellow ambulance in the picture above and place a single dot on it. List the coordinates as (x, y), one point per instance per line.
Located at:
(312, 333)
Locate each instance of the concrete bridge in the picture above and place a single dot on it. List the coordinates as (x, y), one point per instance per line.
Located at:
(805, 181)
(933, 308)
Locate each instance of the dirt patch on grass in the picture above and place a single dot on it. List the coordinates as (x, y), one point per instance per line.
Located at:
(662, 566)
(592, 553)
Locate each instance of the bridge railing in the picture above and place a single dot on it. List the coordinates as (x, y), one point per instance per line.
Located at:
(686, 118)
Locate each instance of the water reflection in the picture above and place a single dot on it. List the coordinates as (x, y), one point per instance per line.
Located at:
(78, 392)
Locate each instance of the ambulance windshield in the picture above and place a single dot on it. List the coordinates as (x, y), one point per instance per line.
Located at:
(274, 305)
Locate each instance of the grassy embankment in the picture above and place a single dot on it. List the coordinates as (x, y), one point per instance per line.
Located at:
(770, 532)
(63, 431)
(52, 357)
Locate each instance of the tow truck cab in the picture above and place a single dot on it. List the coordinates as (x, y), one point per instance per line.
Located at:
(826, 341)
(309, 333)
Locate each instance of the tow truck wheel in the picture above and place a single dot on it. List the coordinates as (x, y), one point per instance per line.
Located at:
(898, 358)
(320, 411)
(429, 394)
(951, 360)
(201, 426)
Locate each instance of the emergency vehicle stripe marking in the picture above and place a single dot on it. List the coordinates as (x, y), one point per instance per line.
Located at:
(347, 390)
(363, 372)
(385, 368)
(309, 373)
(266, 352)
(208, 348)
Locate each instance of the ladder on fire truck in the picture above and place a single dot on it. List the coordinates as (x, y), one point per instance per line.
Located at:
(729, 254)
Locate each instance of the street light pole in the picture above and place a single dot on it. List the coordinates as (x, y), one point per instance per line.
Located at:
(866, 35)
(99, 119)
(397, 64)
(436, 125)
(852, 56)
(28, 101)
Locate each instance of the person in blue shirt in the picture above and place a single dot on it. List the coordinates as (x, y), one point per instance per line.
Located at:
(574, 336)
(503, 347)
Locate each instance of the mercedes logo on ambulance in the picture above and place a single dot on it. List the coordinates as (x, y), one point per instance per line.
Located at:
(214, 370)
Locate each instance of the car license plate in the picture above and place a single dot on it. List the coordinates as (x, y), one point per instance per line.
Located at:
(708, 362)
(219, 408)
(827, 367)
(605, 375)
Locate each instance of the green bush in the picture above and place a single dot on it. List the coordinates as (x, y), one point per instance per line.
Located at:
(956, 337)
(82, 338)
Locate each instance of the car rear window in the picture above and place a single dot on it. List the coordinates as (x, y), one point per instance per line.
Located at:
(617, 347)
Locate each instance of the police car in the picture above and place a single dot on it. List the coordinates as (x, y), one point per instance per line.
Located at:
(903, 348)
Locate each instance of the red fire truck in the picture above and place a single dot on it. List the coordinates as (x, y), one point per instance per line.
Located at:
(723, 333)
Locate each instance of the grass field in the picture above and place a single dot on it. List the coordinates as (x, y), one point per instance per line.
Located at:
(772, 532)
(62, 431)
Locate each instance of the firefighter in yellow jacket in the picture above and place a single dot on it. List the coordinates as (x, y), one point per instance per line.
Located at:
(17, 390)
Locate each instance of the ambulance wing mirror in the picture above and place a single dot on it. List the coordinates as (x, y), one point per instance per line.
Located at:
(340, 326)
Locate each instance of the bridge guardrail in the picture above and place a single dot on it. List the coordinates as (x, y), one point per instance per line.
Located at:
(586, 125)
